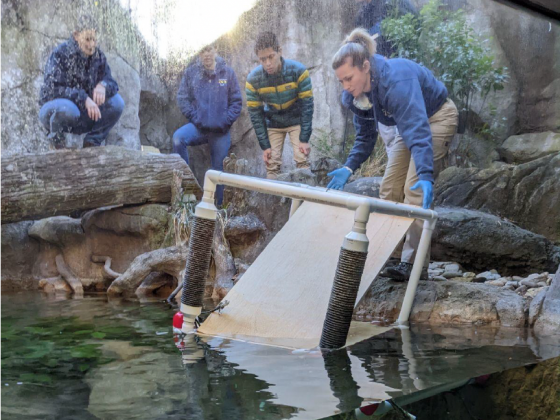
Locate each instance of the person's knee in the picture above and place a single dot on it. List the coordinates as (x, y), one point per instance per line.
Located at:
(115, 107)
(187, 135)
(59, 111)
(180, 139)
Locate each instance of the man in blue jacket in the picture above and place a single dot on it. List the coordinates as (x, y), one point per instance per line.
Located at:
(79, 95)
(210, 99)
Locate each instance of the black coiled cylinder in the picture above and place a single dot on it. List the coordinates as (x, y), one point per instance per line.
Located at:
(198, 261)
(343, 297)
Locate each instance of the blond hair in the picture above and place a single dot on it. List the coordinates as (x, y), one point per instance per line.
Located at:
(358, 45)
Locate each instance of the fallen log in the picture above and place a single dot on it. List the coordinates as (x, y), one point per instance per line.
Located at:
(36, 186)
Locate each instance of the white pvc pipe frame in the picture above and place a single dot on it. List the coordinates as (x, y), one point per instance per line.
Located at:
(362, 206)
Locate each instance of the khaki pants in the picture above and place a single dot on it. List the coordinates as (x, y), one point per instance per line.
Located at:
(400, 174)
(276, 137)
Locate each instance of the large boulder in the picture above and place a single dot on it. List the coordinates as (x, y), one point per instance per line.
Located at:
(364, 186)
(444, 303)
(526, 194)
(479, 240)
(527, 147)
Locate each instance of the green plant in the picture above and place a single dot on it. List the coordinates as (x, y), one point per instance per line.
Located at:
(376, 163)
(326, 145)
(444, 42)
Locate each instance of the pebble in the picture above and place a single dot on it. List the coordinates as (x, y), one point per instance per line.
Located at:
(451, 274)
(533, 292)
(453, 268)
(521, 290)
(435, 272)
(512, 283)
(487, 276)
(529, 283)
(498, 282)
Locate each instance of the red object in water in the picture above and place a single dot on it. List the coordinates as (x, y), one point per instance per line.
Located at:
(178, 320)
(368, 410)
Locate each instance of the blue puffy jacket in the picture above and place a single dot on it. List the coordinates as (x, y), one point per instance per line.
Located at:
(405, 94)
(210, 100)
(70, 74)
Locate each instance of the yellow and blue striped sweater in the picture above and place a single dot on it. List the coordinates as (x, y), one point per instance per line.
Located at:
(280, 100)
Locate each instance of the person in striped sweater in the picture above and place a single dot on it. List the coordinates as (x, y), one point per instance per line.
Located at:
(280, 102)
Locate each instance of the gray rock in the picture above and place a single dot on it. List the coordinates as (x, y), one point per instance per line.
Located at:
(439, 278)
(364, 186)
(531, 293)
(435, 272)
(453, 268)
(321, 167)
(58, 230)
(528, 283)
(19, 255)
(439, 264)
(549, 316)
(526, 194)
(480, 240)
(452, 274)
(446, 302)
(487, 276)
(244, 233)
(536, 305)
(512, 283)
(521, 290)
(497, 283)
(299, 176)
(524, 148)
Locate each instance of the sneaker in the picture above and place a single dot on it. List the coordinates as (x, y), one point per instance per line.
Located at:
(57, 140)
(391, 263)
(402, 271)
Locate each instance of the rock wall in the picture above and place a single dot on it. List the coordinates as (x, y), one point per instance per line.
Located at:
(527, 194)
(29, 248)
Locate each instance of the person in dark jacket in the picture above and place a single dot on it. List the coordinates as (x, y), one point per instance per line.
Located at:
(209, 97)
(402, 93)
(79, 95)
(280, 102)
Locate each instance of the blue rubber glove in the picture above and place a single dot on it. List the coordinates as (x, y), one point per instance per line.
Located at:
(340, 178)
(428, 190)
